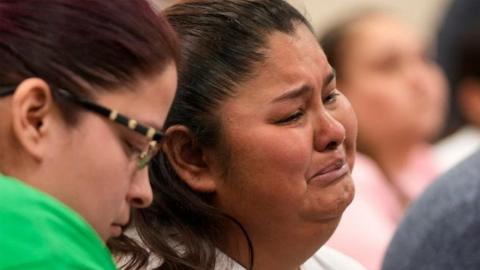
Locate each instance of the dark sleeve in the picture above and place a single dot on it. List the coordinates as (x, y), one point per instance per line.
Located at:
(441, 230)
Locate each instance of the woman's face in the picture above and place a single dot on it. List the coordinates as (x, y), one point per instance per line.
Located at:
(290, 138)
(388, 76)
(96, 160)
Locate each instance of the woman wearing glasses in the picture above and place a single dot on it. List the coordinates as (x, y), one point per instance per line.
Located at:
(85, 87)
(255, 169)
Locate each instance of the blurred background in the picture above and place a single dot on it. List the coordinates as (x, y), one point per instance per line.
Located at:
(424, 15)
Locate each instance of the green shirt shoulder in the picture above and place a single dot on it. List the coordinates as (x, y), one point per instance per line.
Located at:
(39, 232)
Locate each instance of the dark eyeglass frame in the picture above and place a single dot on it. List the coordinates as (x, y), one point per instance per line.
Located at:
(155, 136)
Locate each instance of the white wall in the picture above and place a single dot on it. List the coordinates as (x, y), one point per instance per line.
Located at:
(423, 14)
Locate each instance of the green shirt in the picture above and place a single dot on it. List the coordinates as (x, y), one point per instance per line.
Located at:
(39, 232)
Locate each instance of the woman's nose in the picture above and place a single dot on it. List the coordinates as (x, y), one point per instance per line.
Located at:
(329, 132)
(140, 194)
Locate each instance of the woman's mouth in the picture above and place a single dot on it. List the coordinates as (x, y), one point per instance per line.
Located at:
(331, 173)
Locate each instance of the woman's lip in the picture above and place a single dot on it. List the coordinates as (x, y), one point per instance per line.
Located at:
(333, 166)
(116, 230)
(327, 177)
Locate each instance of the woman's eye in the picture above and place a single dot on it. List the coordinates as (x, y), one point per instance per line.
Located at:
(331, 98)
(292, 118)
(131, 149)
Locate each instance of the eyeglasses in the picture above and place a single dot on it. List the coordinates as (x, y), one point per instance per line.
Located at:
(152, 134)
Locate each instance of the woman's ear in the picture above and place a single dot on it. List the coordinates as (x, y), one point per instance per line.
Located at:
(189, 159)
(32, 104)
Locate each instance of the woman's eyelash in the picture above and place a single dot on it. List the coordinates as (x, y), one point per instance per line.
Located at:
(131, 149)
(332, 97)
(292, 118)
(298, 114)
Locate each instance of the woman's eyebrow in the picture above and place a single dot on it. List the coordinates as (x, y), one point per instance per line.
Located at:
(304, 89)
(293, 94)
(329, 78)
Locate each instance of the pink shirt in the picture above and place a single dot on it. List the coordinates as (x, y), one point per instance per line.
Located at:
(370, 221)
(418, 174)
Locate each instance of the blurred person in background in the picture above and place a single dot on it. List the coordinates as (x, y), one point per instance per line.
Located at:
(85, 87)
(459, 54)
(398, 93)
(441, 229)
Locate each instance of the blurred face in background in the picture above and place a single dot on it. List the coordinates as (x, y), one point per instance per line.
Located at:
(397, 92)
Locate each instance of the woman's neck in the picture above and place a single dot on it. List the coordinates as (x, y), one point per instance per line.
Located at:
(280, 252)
